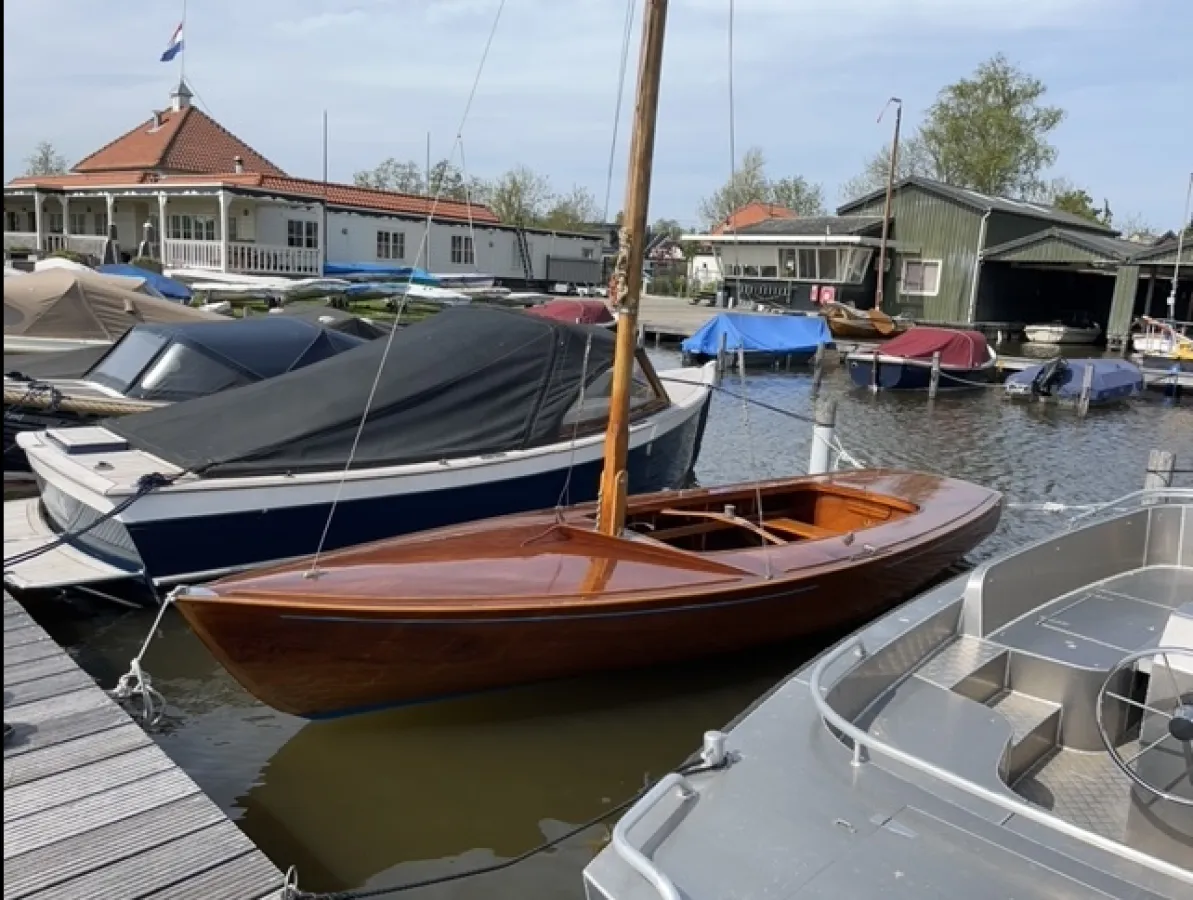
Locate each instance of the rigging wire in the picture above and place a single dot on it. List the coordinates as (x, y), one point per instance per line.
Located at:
(627, 31)
(422, 250)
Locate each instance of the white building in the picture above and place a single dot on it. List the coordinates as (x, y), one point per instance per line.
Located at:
(211, 201)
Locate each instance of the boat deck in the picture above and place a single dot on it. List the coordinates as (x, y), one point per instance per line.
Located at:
(93, 807)
(964, 756)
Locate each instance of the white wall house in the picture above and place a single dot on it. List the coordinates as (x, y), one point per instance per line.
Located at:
(203, 199)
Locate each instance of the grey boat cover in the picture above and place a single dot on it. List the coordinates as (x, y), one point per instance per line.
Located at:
(56, 365)
(336, 319)
(466, 381)
(63, 303)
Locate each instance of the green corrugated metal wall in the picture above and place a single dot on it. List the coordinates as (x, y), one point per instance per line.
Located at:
(1004, 228)
(1053, 250)
(1122, 306)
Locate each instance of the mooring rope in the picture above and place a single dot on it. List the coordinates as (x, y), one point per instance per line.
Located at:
(136, 682)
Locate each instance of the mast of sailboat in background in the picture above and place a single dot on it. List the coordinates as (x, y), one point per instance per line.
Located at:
(886, 206)
(627, 273)
(323, 227)
(1186, 224)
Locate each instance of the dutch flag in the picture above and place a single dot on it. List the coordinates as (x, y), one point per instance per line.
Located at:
(175, 45)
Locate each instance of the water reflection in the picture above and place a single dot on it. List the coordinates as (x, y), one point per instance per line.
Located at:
(404, 795)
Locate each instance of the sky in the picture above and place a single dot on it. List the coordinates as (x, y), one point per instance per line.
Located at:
(809, 80)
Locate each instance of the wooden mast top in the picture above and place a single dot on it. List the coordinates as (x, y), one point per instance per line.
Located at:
(628, 272)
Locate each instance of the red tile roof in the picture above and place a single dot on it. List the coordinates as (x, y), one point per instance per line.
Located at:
(350, 195)
(185, 141)
(752, 214)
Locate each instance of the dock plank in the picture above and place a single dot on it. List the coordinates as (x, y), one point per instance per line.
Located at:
(160, 868)
(54, 864)
(74, 753)
(93, 807)
(19, 673)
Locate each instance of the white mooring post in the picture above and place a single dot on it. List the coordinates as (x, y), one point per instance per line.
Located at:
(874, 372)
(823, 436)
(1160, 465)
(934, 377)
(1087, 388)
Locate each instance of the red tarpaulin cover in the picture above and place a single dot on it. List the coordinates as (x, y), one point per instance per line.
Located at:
(579, 312)
(958, 349)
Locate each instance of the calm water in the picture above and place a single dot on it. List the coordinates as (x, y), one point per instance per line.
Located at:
(404, 795)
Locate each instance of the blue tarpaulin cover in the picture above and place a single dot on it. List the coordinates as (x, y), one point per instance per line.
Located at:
(760, 333)
(1113, 379)
(378, 272)
(167, 287)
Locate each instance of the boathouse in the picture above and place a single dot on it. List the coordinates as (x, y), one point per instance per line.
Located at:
(205, 199)
(954, 256)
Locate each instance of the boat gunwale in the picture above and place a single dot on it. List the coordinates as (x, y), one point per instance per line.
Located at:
(984, 501)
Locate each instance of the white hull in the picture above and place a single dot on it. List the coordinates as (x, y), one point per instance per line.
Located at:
(1061, 334)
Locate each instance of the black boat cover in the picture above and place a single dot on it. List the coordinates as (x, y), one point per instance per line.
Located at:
(464, 382)
(172, 363)
(336, 319)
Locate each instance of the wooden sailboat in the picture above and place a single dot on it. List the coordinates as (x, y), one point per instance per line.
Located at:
(854, 324)
(620, 583)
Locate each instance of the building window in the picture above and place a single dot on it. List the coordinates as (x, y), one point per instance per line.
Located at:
(101, 223)
(921, 277)
(587, 253)
(78, 223)
(302, 234)
(462, 254)
(232, 230)
(12, 220)
(391, 245)
(56, 223)
(188, 227)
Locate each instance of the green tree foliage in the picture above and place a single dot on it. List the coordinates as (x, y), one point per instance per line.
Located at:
(393, 175)
(1077, 201)
(572, 211)
(751, 184)
(45, 160)
(988, 132)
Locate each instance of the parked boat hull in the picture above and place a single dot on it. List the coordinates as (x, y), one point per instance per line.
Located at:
(191, 535)
(912, 375)
(335, 654)
(1061, 334)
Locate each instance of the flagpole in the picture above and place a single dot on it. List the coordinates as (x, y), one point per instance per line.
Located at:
(182, 51)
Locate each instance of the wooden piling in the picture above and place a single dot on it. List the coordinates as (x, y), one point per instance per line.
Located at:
(817, 368)
(874, 372)
(741, 361)
(723, 353)
(934, 377)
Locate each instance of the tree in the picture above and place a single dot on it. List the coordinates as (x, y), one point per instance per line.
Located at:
(796, 194)
(669, 227)
(749, 184)
(572, 211)
(989, 132)
(912, 159)
(1066, 196)
(1135, 228)
(520, 197)
(393, 175)
(45, 160)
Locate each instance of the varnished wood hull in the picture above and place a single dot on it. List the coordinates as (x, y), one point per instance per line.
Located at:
(328, 659)
(861, 329)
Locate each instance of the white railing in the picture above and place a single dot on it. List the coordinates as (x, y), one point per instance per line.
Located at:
(182, 254)
(20, 240)
(270, 260)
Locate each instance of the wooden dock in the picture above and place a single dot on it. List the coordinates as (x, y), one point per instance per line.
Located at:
(93, 807)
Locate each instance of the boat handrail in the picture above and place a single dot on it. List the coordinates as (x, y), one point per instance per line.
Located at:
(864, 740)
(1135, 498)
(638, 860)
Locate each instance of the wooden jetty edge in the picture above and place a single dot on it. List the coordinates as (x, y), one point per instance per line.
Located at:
(93, 807)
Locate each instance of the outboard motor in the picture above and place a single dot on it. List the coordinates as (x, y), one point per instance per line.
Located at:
(1050, 375)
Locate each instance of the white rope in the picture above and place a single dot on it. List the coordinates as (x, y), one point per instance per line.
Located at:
(136, 683)
(625, 55)
(1051, 506)
(422, 249)
(564, 498)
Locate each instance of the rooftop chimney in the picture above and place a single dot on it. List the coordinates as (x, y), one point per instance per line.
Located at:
(237, 164)
(180, 97)
(157, 119)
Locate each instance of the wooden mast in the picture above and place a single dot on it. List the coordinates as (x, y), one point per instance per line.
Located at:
(886, 206)
(628, 272)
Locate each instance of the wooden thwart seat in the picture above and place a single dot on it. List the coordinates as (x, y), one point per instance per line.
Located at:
(800, 529)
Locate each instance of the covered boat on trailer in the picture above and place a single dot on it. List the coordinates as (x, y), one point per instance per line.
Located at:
(906, 362)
